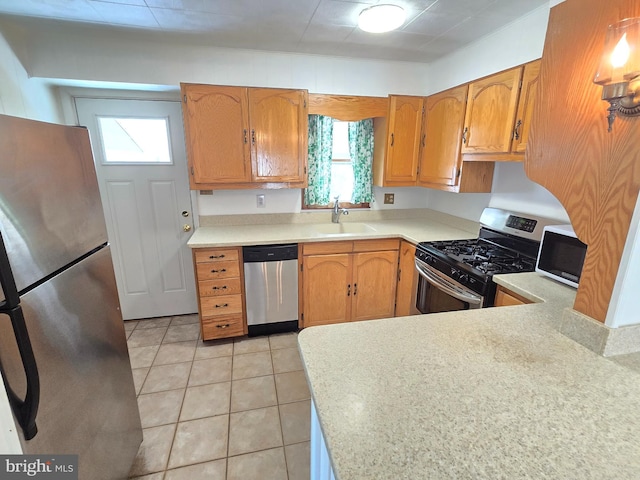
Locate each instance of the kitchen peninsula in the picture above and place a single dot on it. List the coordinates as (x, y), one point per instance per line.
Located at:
(490, 393)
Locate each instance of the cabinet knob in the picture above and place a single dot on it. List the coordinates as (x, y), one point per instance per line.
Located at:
(355, 289)
(464, 135)
(222, 306)
(349, 290)
(216, 256)
(392, 139)
(224, 287)
(219, 271)
(226, 325)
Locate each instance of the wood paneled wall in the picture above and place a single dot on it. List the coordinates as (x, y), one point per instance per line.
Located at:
(594, 174)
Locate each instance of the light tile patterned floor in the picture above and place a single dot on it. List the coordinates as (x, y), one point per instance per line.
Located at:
(227, 409)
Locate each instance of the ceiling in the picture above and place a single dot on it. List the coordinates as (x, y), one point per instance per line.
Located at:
(433, 28)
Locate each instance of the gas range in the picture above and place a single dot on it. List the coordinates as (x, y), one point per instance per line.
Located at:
(508, 242)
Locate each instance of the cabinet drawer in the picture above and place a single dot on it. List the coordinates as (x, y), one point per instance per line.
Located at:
(376, 245)
(216, 255)
(222, 286)
(328, 248)
(221, 269)
(221, 305)
(222, 327)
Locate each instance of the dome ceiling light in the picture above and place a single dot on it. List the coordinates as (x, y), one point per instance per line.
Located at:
(381, 18)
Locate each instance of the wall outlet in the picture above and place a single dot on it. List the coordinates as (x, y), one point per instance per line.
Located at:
(389, 198)
(206, 192)
(260, 201)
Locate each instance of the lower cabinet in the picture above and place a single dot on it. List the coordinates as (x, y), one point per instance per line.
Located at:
(220, 287)
(407, 281)
(348, 281)
(505, 297)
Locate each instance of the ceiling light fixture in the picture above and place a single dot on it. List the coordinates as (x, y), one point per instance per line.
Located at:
(381, 18)
(619, 72)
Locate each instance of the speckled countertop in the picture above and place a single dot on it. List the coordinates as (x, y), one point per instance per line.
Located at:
(496, 393)
(418, 229)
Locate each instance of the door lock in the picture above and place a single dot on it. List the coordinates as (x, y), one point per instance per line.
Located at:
(185, 213)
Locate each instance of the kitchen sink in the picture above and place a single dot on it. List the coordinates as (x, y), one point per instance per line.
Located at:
(343, 228)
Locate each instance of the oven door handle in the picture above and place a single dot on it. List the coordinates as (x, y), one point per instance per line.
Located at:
(445, 286)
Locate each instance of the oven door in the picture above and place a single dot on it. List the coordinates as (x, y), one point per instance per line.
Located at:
(439, 293)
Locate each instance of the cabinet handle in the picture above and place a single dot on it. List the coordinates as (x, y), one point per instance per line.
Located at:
(253, 136)
(349, 290)
(245, 135)
(219, 271)
(424, 139)
(216, 256)
(392, 139)
(224, 287)
(516, 131)
(226, 325)
(222, 306)
(464, 135)
(355, 289)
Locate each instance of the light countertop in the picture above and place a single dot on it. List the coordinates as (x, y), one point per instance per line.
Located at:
(482, 394)
(418, 229)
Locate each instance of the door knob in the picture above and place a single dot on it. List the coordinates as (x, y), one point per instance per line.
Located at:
(187, 227)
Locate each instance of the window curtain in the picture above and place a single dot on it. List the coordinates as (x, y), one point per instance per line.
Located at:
(361, 152)
(319, 163)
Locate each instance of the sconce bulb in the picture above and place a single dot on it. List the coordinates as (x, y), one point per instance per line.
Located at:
(621, 53)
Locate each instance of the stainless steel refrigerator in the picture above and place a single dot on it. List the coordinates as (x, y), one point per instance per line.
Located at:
(63, 351)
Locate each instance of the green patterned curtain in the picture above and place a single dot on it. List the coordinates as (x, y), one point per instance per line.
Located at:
(320, 156)
(361, 152)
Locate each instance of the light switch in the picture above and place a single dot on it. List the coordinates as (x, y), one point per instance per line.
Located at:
(260, 201)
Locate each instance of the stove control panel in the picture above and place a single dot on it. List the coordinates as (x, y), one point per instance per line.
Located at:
(520, 223)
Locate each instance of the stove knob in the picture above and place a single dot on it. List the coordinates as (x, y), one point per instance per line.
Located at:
(455, 273)
(463, 278)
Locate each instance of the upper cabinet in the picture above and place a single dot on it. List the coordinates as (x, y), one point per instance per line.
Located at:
(240, 137)
(440, 160)
(397, 163)
(530, 79)
(498, 115)
(491, 110)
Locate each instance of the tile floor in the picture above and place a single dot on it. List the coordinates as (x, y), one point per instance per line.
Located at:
(227, 409)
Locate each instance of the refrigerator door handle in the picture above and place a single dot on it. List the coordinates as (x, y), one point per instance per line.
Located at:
(27, 409)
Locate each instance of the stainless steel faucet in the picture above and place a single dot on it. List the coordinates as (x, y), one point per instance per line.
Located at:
(335, 214)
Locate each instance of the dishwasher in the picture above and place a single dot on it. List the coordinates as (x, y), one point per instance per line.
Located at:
(271, 288)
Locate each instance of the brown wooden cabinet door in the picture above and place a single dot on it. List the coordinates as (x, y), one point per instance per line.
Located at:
(407, 280)
(327, 289)
(278, 134)
(491, 110)
(403, 142)
(216, 123)
(444, 120)
(505, 298)
(374, 284)
(530, 79)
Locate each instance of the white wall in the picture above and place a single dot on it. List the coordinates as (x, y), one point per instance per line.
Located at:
(517, 43)
(20, 95)
(80, 54)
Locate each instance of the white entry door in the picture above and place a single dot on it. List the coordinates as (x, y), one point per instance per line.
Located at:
(141, 164)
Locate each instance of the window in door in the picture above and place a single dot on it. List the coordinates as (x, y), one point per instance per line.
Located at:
(135, 140)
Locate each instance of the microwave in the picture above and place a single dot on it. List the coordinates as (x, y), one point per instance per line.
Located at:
(561, 254)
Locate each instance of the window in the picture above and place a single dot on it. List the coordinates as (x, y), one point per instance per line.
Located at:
(341, 170)
(135, 140)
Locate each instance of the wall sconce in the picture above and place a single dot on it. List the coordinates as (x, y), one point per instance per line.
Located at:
(619, 71)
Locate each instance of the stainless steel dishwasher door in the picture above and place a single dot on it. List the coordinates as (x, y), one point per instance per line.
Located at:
(271, 290)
